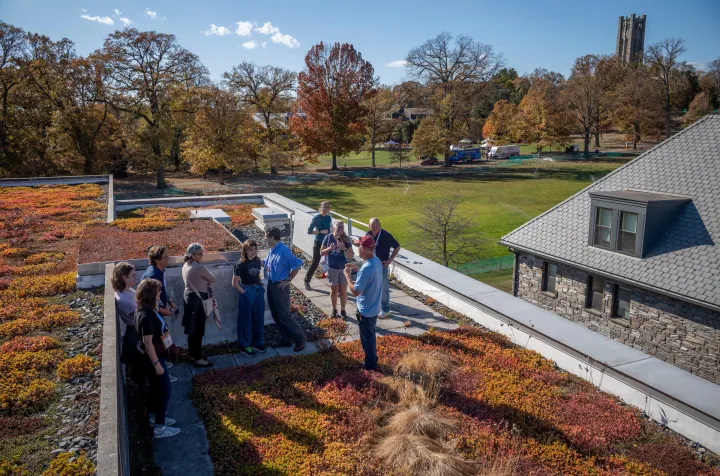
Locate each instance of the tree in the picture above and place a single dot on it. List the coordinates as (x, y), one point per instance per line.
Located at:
(583, 95)
(637, 102)
(217, 134)
(699, 108)
(457, 72)
(542, 119)
(268, 90)
(662, 58)
(13, 45)
(330, 91)
(447, 236)
(398, 154)
(429, 138)
(377, 120)
(498, 125)
(144, 69)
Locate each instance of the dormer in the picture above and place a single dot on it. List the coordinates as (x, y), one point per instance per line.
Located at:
(628, 221)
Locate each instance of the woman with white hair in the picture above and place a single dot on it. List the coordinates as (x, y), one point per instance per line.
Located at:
(197, 288)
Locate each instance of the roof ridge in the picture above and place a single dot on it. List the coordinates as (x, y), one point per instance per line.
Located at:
(622, 167)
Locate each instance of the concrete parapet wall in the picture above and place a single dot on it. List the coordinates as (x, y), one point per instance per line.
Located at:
(60, 180)
(113, 456)
(190, 201)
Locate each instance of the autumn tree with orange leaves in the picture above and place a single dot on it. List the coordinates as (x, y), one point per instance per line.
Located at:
(330, 93)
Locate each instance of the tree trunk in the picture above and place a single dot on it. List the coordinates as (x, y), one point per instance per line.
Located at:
(334, 165)
(221, 179)
(273, 170)
(636, 135)
(539, 149)
(161, 184)
(586, 140)
(667, 112)
(373, 155)
(597, 138)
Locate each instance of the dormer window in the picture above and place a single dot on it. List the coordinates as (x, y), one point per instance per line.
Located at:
(628, 232)
(603, 227)
(627, 221)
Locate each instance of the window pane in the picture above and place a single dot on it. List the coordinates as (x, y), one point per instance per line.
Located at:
(628, 222)
(597, 294)
(551, 284)
(602, 236)
(604, 217)
(627, 241)
(622, 303)
(552, 270)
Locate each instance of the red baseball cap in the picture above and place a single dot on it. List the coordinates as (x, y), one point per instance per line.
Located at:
(365, 242)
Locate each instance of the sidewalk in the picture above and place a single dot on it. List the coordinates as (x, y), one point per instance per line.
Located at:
(187, 453)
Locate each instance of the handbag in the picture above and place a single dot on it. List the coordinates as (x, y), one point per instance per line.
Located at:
(209, 305)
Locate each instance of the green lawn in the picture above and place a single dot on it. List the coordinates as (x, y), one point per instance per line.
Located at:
(497, 202)
(382, 158)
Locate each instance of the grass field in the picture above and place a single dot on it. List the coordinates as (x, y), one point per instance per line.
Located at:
(497, 202)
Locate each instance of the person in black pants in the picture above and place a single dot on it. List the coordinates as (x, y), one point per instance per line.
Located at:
(155, 342)
(320, 227)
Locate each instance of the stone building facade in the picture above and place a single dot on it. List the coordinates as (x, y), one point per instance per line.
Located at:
(677, 332)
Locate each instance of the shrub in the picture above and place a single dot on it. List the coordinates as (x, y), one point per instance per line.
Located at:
(45, 257)
(40, 286)
(24, 391)
(14, 426)
(75, 367)
(20, 361)
(12, 468)
(66, 464)
(29, 344)
(14, 252)
(143, 224)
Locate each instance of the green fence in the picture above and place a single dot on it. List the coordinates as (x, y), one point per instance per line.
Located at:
(486, 265)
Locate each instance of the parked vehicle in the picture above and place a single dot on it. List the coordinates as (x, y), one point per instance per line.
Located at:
(504, 151)
(465, 155)
(429, 161)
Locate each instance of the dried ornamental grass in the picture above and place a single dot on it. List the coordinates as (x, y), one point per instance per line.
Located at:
(420, 455)
(421, 420)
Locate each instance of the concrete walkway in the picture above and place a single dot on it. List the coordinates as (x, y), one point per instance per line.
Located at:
(187, 453)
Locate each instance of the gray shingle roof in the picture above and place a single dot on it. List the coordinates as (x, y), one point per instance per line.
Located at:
(685, 261)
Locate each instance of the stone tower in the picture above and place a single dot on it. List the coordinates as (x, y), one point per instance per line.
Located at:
(630, 46)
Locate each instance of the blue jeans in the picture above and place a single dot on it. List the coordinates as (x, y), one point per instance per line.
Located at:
(367, 340)
(251, 317)
(160, 389)
(385, 296)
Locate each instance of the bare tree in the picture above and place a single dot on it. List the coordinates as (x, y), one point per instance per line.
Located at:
(457, 71)
(13, 46)
(268, 90)
(662, 57)
(445, 234)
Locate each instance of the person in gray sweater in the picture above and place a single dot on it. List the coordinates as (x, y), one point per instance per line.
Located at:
(197, 280)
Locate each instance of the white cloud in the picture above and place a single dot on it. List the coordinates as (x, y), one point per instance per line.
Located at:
(286, 40)
(397, 64)
(83, 10)
(244, 28)
(268, 29)
(126, 21)
(117, 12)
(217, 30)
(264, 44)
(698, 66)
(105, 20)
(250, 45)
(153, 15)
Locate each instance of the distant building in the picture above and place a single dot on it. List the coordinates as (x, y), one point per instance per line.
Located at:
(630, 46)
(412, 113)
(636, 255)
(281, 119)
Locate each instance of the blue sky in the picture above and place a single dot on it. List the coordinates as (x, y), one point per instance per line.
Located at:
(530, 34)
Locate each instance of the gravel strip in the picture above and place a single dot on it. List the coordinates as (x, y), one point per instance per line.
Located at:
(254, 233)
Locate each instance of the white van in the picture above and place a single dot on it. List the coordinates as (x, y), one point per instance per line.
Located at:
(504, 151)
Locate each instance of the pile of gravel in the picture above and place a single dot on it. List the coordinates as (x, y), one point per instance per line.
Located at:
(254, 233)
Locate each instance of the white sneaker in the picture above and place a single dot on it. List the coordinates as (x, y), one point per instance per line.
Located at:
(168, 421)
(165, 431)
(173, 379)
(169, 365)
(384, 315)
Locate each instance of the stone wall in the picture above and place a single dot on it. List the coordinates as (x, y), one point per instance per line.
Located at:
(679, 333)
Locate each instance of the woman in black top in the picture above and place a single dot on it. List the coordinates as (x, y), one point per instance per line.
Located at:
(251, 304)
(154, 332)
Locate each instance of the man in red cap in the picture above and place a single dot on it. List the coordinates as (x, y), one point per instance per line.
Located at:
(368, 291)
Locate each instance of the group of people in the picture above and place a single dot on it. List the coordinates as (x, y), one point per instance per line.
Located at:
(144, 306)
(378, 248)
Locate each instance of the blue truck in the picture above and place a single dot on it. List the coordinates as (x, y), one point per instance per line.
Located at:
(464, 155)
